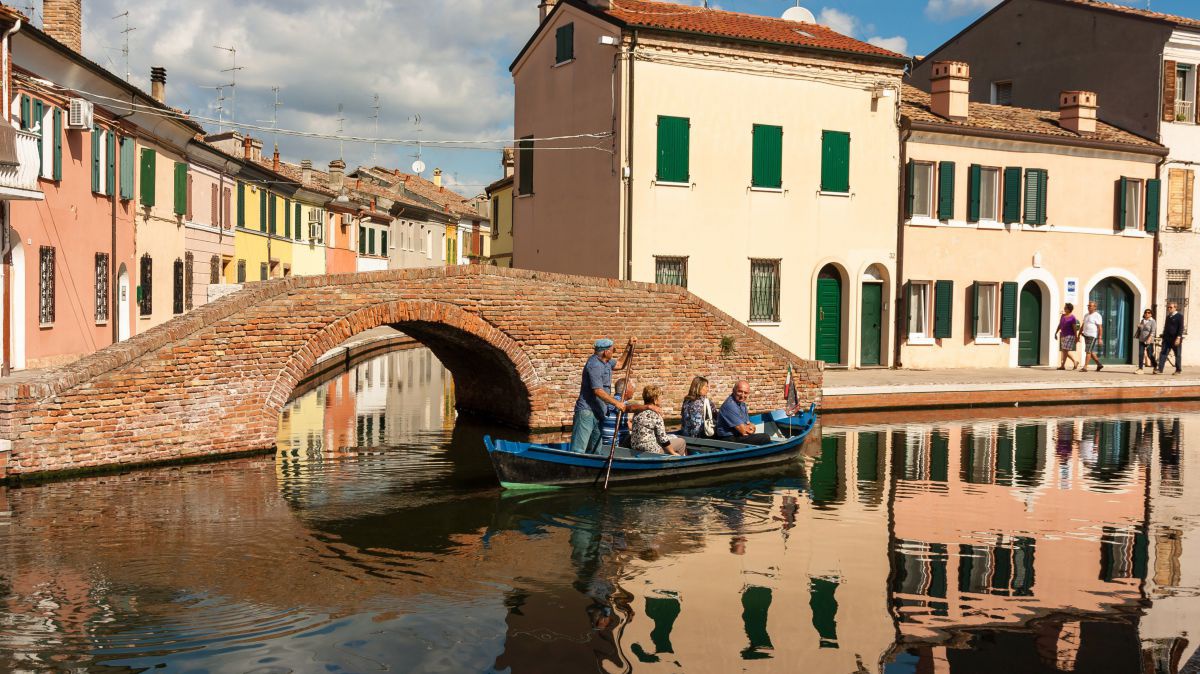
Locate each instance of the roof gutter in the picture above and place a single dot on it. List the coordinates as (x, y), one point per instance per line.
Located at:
(5, 72)
(894, 60)
(933, 127)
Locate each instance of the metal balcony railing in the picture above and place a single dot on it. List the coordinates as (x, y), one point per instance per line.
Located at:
(19, 179)
(1185, 111)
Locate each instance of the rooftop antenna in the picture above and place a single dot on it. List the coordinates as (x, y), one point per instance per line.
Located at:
(220, 105)
(340, 119)
(275, 118)
(125, 47)
(418, 166)
(232, 80)
(375, 146)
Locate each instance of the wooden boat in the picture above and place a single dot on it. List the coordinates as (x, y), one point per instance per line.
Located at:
(524, 465)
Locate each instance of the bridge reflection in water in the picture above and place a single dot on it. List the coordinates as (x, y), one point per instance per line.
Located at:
(376, 536)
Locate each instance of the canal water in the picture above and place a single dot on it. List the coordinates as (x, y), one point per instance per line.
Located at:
(376, 539)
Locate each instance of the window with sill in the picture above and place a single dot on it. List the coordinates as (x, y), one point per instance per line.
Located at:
(1002, 93)
(1185, 93)
(564, 43)
(766, 169)
(764, 291)
(1178, 281)
(146, 287)
(177, 289)
(102, 283)
(919, 299)
(835, 161)
(983, 193)
(674, 148)
(670, 270)
(1138, 204)
(986, 310)
(46, 285)
(920, 191)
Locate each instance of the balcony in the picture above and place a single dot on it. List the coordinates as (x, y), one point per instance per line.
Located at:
(1185, 111)
(19, 164)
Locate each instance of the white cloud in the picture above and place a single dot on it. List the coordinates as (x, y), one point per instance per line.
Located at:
(846, 24)
(898, 44)
(952, 9)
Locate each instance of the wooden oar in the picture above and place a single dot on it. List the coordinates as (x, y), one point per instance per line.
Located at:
(612, 449)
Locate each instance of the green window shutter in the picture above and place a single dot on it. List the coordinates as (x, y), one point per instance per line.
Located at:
(767, 168)
(674, 139)
(565, 43)
(974, 180)
(362, 240)
(241, 204)
(383, 249)
(96, 159)
(58, 123)
(1008, 310)
(1122, 206)
(26, 112)
(1153, 195)
(975, 309)
(39, 113)
(1043, 195)
(127, 168)
(835, 161)
(1012, 195)
(943, 309)
(910, 195)
(296, 218)
(946, 190)
(525, 163)
(148, 162)
(110, 155)
(180, 201)
(262, 209)
(1035, 197)
(272, 227)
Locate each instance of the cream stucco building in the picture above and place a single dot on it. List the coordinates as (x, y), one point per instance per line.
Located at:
(749, 158)
(1010, 214)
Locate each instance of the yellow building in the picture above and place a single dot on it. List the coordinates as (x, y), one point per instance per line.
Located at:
(308, 234)
(500, 243)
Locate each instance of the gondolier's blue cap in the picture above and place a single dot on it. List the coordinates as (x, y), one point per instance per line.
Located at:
(604, 343)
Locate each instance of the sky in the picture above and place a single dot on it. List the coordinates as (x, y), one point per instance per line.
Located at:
(445, 61)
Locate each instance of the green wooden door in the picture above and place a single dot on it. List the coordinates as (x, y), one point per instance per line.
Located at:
(872, 323)
(1114, 301)
(829, 316)
(1029, 326)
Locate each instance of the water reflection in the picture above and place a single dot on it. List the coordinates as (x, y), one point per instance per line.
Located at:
(376, 538)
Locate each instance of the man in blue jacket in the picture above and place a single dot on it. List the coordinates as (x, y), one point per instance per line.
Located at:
(1172, 338)
(733, 421)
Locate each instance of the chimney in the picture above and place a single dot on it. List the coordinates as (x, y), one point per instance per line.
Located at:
(63, 21)
(1077, 111)
(950, 90)
(306, 171)
(545, 6)
(337, 171)
(247, 153)
(158, 84)
(507, 162)
(255, 148)
(229, 142)
(275, 160)
(437, 177)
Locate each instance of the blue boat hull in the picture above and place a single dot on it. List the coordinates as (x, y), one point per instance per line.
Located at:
(526, 465)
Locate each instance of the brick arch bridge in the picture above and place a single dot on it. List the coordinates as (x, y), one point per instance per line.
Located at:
(213, 381)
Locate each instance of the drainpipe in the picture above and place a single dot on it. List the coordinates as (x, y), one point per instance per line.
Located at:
(6, 361)
(898, 299)
(629, 162)
(1158, 171)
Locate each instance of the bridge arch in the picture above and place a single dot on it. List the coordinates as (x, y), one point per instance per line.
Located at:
(493, 376)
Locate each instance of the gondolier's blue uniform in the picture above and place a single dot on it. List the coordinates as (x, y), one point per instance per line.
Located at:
(590, 410)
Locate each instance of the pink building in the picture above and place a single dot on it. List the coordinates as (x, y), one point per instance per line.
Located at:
(208, 235)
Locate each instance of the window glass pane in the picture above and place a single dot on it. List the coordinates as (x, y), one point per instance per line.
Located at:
(989, 180)
(1133, 203)
(918, 315)
(987, 310)
(670, 271)
(922, 189)
(764, 290)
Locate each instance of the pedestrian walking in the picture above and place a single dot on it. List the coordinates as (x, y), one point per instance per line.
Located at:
(1147, 328)
(1172, 339)
(1067, 335)
(1093, 332)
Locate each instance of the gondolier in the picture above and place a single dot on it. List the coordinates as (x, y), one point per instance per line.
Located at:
(595, 395)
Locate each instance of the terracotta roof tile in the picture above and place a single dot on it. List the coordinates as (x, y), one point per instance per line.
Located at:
(1182, 21)
(736, 25)
(915, 106)
(442, 196)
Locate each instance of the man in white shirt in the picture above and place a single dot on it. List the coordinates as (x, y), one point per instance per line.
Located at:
(1093, 332)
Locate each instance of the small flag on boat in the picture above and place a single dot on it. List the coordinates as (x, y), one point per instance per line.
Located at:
(789, 391)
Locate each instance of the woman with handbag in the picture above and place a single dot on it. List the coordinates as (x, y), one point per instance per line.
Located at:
(697, 411)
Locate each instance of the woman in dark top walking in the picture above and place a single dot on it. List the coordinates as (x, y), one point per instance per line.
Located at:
(1067, 332)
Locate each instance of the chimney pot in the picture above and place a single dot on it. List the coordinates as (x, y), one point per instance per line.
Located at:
(306, 171)
(246, 145)
(1077, 111)
(950, 89)
(275, 160)
(544, 8)
(337, 173)
(63, 21)
(437, 177)
(158, 84)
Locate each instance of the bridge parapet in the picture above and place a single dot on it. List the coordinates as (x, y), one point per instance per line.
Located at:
(213, 381)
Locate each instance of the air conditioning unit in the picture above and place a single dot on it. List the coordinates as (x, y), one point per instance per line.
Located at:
(79, 114)
(314, 231)
(314, 215)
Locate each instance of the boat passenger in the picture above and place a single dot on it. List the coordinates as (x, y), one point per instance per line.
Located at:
(697, 411)
(733, 421)
(623, 391)
(649, 432)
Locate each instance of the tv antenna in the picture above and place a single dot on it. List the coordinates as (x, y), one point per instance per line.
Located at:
(232, 70)
(220, 88)
(340, 120)
(125, 46)
(375, 146)
(274, 121)
(418, 166)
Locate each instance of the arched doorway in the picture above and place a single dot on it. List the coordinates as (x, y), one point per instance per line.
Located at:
(828, 342)
(871, 324)
(1029, 325)
(123, 303)
(1114, 301)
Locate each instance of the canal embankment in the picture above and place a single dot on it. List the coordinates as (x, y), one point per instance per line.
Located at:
(860, 391)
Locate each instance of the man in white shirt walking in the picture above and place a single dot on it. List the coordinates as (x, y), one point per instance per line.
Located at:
(1093, 332)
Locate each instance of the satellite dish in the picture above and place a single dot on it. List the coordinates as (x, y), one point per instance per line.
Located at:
(799, 14)
(418, 166)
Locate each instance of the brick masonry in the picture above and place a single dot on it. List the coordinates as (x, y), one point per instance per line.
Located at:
(213, 381)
